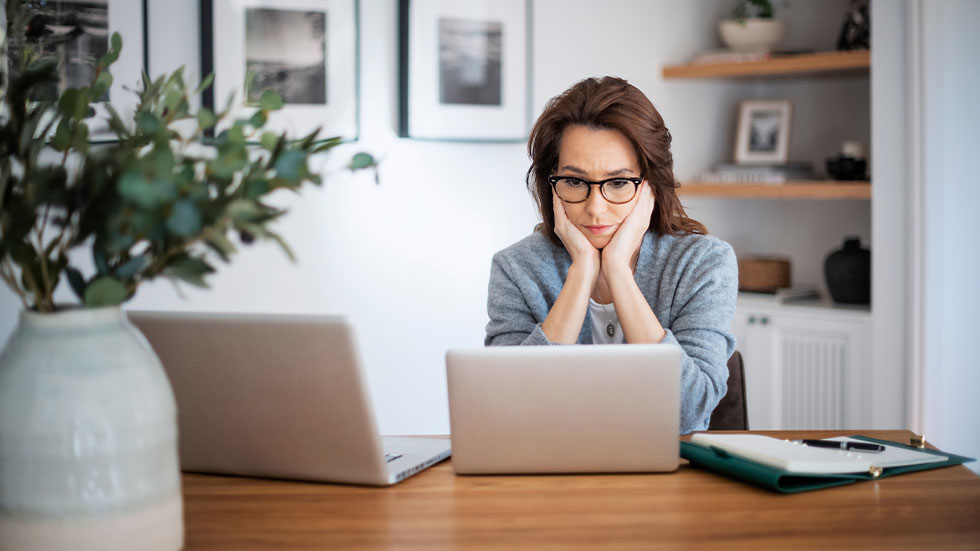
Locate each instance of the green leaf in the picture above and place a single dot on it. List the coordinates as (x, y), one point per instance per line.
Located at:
(269, 140)
(206, 118)
(105, 291)
(362, 160)
(129, 268)
(258, 119)
(115, 46)
(270, 100)
(184, 219)
(282, 244)
(148, 123)
(324, 145)
(255, 188)
(190, 269)
(291, 166)
(218, 242)
(62, 136)
(99, 259)
(77, 282)
(101, 85)
(244, 210)
(137, 188)
(205, 84)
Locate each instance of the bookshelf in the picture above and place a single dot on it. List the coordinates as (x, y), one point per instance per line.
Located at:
(856, 62)
(803, 189)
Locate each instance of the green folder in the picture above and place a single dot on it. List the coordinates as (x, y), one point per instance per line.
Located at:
(716, 459)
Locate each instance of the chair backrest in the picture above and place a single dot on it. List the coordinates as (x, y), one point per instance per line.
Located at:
(731, 412)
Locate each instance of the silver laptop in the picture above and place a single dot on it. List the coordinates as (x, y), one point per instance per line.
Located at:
(564, 409)
(277, 396)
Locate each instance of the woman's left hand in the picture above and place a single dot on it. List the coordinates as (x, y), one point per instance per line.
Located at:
(624, 244)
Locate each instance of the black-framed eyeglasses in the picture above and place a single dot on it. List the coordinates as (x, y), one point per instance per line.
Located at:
(575, 190)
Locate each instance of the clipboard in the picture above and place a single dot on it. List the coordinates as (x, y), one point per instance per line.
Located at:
(780, 480)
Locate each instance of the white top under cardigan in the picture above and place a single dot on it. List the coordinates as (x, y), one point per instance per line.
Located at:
(603, 316)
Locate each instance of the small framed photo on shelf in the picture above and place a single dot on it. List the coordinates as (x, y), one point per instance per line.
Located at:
(763, 132)
(306, 50)
(463, 69)
(84, 30)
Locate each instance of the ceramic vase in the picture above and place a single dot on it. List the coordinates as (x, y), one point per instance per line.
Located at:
(848, 273)
(88, 437)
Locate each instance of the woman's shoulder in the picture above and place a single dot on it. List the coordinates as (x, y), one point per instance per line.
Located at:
(693, 248)
(534, 253)
(534, 246)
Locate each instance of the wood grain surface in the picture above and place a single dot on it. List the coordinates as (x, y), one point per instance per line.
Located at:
(689, 508)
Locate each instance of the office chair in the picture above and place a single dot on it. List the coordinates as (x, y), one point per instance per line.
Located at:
(731, 412)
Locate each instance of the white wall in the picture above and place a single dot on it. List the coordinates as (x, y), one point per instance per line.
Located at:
(409, 261)
(951, 117)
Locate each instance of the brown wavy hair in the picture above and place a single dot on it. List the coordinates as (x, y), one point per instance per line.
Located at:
(614, 104)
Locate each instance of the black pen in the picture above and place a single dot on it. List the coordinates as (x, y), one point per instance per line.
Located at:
(843, 445)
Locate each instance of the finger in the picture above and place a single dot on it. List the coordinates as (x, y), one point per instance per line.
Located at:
(559, 209)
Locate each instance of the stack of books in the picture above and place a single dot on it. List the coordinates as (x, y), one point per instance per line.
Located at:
(784, 295)
(725, 55)
(729, 56)
(762, 174)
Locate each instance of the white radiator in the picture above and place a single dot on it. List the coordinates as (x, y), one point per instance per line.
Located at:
(813, 381)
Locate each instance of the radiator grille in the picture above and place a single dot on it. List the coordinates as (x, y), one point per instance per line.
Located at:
(813, 372)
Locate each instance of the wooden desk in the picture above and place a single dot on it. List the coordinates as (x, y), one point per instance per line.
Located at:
(690, 508)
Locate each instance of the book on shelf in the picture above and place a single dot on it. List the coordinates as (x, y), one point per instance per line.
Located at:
(729, 56)
(783, 295)
(727, 172)
(724, 55)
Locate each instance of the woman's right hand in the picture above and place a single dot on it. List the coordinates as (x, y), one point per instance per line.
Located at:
(564, 321)
(576, 243)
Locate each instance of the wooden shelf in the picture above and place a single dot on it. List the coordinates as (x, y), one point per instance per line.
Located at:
(802, 189)
(820, 63)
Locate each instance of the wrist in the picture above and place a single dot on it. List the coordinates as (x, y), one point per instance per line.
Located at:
(585, 270)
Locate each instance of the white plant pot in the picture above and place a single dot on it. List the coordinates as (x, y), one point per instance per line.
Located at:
(751, 34)
(88, 437)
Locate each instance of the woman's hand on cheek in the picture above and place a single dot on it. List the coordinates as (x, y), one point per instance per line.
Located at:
(577, 244)
(619, 252)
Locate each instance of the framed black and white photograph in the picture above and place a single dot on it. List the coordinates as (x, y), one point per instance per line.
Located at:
(90, 24)
(463, 69)
(306, 50)
(763, 132)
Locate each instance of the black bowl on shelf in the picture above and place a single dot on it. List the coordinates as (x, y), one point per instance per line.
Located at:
(847, 168)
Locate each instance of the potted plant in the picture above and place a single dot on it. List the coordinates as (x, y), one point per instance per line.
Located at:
(88, 441)
(751, 27)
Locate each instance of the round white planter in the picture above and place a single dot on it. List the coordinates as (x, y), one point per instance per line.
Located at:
(751, 34)
(88, 437)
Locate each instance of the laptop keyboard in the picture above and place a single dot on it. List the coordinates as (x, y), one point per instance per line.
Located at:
(389, 457)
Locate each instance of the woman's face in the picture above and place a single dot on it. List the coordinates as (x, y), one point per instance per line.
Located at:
(595, 155)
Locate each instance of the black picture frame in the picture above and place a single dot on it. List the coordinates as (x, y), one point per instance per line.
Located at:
(90, 21)
(323, 93)
(464, 70)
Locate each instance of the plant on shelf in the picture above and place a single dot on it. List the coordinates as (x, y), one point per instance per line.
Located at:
(88, 430)
(761, 9)
(751, 27)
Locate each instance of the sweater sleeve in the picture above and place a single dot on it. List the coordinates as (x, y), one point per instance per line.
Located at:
(702, 327)
(511, 319)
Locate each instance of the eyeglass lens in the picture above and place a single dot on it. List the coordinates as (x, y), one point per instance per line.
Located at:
(575, 190)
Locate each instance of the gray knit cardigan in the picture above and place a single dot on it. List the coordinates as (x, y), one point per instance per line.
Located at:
(690, 282)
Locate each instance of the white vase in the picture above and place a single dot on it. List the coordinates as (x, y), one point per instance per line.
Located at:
(751, 33)
(88, 437)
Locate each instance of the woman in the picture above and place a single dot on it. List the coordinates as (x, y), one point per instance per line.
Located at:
(616, 259)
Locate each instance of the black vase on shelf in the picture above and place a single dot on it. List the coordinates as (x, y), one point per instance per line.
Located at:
(848, 273)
